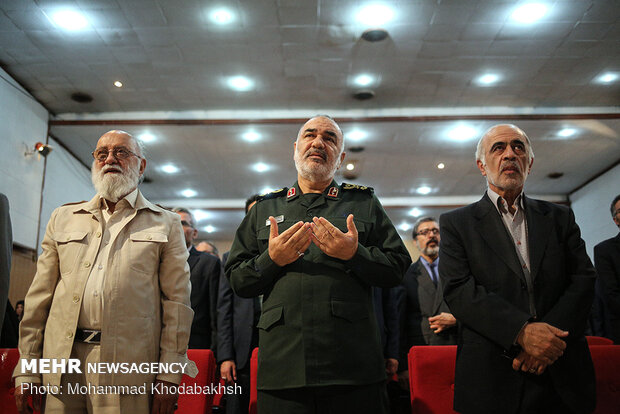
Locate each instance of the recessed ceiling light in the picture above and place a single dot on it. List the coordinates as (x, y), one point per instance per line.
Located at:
(350, 166)
(415, 212)
(363, 79)
(404, 226)
(260, 167)
(375, 15)
(188, 192)
(240, 83)
(146, 137)
(356, 135)
(200, 215)
(423, 190)
(209, 229)
(70, 20)
(170, 169)
(462, 133)
(567, 132)
(118, 84)
(529, 13)
(251, 136)
(265, 190)
(441, 166)
(221, 16)
(488, 79)
(608, 77)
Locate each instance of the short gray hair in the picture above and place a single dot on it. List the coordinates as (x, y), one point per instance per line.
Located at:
(480, 151)
(301, 129)
(421, 220)
(186, 211)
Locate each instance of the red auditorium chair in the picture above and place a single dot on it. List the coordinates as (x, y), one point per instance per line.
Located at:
(188, 403)
(253, 377)
(598, 340)
(431, 378)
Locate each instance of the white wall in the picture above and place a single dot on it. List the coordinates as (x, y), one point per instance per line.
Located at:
(23, 122)
(591, 206)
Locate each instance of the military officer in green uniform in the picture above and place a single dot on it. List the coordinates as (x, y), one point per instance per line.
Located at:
(313, 251)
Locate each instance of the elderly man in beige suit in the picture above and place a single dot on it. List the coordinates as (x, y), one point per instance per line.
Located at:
(112, 285)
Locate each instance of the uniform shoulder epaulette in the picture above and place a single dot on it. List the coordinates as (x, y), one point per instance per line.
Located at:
(74, 203)
(277, 193)
(346, 186)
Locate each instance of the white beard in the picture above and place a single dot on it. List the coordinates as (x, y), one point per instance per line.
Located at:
(113, 187)
(314, 173)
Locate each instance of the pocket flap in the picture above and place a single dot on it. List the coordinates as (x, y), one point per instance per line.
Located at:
(350, 311)
(269, 318)
(69, 236)
(146, 236)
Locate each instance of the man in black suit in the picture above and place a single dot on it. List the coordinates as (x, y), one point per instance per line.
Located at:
(517, 277)
(205, 276)
(607, 261)
(237, 336)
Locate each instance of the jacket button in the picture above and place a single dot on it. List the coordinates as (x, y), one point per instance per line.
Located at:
(98, 234)
(149, 237)
(86, 264)
(76, 298)
(69, 335)
(68, 238)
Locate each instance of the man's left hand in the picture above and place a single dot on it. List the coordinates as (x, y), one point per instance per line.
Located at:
(332, 241)
(165, 402)
(527, 363)
(391, 366)
(442, 322)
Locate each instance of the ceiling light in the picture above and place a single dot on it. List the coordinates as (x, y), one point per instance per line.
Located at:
(251, 136)
(221, 16)
(200, 215)
(488, 79)
(462, 133)
(404, 226)
(375, 15)
(146, 137)
(350, 166)
(70, 20)
(170, 169)
(265, 190)
(415, 212)
(363, 80)
(260, 167)
(529, 13)
(567, 132)
(118, 84)
(441, 166)
(188, 193)
(240, 83)
(608, 77)
(423, 190)
(209, 229)
(356, 135)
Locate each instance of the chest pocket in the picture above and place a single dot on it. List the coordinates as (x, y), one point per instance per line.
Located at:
(263, 233)
(70, 245)
(145, 250)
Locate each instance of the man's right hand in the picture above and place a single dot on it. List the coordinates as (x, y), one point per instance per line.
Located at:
(542, 341)
(228, 371)
(22, 392)
(289, 246)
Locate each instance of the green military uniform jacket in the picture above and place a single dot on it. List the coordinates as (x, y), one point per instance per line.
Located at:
(317, 325)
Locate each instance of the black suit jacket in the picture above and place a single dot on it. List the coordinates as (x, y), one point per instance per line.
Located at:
(236, 321)
(607, 261)
(205, 277)
(418, 300)
(386, 311)
(485, 288)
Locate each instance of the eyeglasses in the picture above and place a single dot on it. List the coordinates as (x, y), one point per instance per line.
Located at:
(120, 153)
(427, 231)
(186, 224)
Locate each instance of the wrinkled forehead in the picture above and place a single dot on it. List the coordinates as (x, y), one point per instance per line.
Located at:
(505, 134)
(115, 139)
(428, 225)
(321, 124)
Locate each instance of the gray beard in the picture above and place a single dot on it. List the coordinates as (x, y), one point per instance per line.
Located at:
(320, 172)
(431, 251)
(116, 186)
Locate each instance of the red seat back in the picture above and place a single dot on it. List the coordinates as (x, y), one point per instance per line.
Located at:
(253, 378)
(431, 379)
(599, 340)
(606, 360)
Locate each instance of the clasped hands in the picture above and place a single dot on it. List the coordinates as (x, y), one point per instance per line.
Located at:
(541, 345)
(289, 246)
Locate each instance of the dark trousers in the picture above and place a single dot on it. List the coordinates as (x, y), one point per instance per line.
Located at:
(331, 399)
(240, 403)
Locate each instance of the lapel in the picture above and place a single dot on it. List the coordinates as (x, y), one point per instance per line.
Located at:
(194, 256)
(432, 292)
(539, 228)
(617, 240)
(491, 228)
